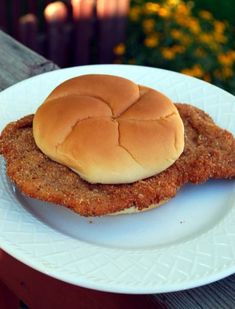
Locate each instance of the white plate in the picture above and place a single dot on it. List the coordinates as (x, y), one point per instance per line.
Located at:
(186, 243)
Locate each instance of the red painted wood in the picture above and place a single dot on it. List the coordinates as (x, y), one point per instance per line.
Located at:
(83, 17)
(47, 2)
(106, 12)
(76, 38)
(112, 16)
(15, 15)
(121, 20)
(28, 30)
(57, 32)
(8, 300)
(3, 15)
(32, 6)
(40, 291)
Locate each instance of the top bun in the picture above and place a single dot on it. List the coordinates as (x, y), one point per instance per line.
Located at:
(108, 129)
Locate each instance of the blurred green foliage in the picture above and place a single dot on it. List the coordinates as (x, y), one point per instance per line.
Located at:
(172, 34)
(223, 10)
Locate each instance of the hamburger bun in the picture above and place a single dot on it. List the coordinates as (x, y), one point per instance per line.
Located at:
(108, 129)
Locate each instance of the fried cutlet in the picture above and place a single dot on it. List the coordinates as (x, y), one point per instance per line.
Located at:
(209, 153)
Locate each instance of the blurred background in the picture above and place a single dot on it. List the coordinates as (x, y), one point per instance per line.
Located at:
(192, 37)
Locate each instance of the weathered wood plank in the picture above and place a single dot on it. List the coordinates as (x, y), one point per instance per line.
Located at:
(17, 62)
(218, 295)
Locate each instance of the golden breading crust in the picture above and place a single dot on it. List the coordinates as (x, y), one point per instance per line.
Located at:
(209, 153)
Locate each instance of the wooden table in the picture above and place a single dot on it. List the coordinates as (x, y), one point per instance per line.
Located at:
(38, 291)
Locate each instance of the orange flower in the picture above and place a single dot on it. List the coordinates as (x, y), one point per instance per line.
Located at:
(196, 71)
(173, 3)
(206, 38)
(199, 52)
(151, 7)
(134, 13)
(219, 26)
(168, 53)
(178, 49)
(194, 25)
(163, 12)
(220, 38)
(183, 9)
(227, 72)
(119, 49)
(205, 15)
(207, 77)
(148, 25)
(227, 59)
(176, 34)
(151, 40)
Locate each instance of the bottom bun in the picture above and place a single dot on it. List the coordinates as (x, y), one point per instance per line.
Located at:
(133, 209)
